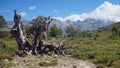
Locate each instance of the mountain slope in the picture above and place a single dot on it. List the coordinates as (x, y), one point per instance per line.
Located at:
(87, 24)
(109, 27)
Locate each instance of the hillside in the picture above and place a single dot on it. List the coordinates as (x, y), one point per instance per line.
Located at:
(102, 52)
(108, 28)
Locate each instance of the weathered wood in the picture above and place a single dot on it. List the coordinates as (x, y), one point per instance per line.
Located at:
(39, 46)
(51, 49)
(40, 35)
(19, 34)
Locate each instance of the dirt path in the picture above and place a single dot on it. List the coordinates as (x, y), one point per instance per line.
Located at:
(69, 62)
(57, 62)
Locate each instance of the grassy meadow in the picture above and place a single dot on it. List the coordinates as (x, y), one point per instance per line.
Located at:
(102, 51)
(8, 45)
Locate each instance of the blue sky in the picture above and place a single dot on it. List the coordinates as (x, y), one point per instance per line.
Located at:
(54, 8)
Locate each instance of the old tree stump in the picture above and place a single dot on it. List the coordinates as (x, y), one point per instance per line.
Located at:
(39, 34)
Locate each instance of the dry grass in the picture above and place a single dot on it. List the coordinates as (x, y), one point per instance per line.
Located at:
(7, 64)
(48, 61)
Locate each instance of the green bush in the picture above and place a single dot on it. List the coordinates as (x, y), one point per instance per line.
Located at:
(4, 34)
(55, 31)
(7, 48)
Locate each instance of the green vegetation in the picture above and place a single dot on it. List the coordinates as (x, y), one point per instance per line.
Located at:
(94, 51)
(35, 23)
(54, 31)
(6, 64)
(72, 31)
(8, 45)
(97, 46)
(4, 33)
(2, 21)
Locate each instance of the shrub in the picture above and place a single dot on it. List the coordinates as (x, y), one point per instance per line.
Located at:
(55, 31)
(4, 34)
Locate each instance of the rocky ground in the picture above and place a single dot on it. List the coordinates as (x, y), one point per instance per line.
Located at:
(46, 62)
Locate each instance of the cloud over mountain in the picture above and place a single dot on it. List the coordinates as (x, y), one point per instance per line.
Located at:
(106, 11)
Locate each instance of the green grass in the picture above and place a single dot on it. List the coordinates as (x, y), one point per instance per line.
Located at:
(102, 52)
(8, 47)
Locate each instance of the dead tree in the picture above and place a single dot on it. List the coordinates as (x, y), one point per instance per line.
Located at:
(40, 35)
(39, 46)
(52, 48)
(19, 34)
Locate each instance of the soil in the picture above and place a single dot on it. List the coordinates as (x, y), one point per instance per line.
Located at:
(62, 62)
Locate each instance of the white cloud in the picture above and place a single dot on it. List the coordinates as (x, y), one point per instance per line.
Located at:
(34, 17)
(32, 7)
(56, 11)
(59, 18)
(23, 13)
(106, 11)
(73, 17)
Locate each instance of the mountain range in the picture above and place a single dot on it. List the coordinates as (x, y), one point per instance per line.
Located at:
(25, 22)
(104, 15)
(87, 24)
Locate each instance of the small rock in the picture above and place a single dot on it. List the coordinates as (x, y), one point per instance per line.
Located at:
(6, 60)
(56, 55)
(15, 62)
(47, 61)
